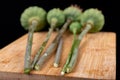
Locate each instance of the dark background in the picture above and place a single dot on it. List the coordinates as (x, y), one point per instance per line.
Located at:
(10, 11)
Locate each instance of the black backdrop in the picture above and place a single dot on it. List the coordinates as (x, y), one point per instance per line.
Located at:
(10, 11)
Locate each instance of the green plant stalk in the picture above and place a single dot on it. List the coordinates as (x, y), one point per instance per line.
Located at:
(84, 32)
(53, 44)
(47, 54)
(68, 60)
(53, 25)
(27, 60)
(41, 48)
(69, 55)
(74, 56)
(58, 53)
(73, 60)
(63, 29)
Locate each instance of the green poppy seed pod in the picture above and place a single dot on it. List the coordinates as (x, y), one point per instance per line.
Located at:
(56, 16)
(94, 17)
(75, 27)
(73, 13)
(33, 13)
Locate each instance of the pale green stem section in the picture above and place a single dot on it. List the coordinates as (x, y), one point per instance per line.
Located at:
(53, 25)
(68, 59)
(58, 53)
(41, 48)
(85, 31)
(73, 60)
(27, 59)
(70, 55)
(47, 54)
(63, 29)
(52, 46)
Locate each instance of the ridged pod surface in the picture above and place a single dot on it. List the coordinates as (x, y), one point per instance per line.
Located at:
(94, 17)
(73, 13)
(56, 15)
(33, 13)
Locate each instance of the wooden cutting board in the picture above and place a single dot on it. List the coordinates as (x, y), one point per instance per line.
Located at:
(96, 60)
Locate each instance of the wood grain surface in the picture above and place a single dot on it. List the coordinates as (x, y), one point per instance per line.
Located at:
(96, 60)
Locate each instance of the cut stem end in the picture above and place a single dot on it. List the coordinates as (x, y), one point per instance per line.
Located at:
(27, 71)
(37, 67)
(55, 65)
(68, 70)
(62, 73)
